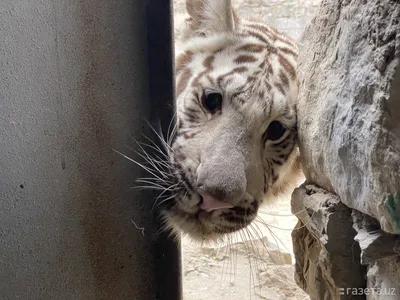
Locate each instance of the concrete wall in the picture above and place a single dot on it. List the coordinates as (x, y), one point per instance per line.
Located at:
(73, 86)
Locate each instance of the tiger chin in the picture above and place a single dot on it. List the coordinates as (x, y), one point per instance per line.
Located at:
(235, 143)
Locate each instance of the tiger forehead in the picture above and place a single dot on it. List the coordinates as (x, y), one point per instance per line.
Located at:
(253, 63)
(249, 55)
(239, 75)
(232, 68)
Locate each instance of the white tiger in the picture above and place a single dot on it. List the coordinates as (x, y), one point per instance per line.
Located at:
(235, 143)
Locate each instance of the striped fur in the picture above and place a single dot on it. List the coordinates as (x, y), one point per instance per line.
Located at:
(254, 67)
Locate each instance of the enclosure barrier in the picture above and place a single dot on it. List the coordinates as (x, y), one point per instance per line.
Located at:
(77, 81)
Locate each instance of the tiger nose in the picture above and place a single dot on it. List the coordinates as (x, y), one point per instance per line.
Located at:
(219, 184)
(210, 202)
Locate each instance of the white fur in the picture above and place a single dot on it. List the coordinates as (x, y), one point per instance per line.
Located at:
(227, 149)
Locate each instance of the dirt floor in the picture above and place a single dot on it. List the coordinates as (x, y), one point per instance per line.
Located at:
(256, 264)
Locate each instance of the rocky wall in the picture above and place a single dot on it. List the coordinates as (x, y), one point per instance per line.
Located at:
(346, 242)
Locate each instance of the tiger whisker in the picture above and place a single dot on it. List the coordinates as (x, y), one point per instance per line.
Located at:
(152, 146)
(161, 138)
(147, 187)
(138, 164)
(151, 161)
(153, 183)
(156, 180)
(163, 201)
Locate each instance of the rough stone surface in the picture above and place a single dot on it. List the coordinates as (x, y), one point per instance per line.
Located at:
(380, 251)
(349, 105)
(346, 243)
(327, 259)
(374, 243)
(384, 279)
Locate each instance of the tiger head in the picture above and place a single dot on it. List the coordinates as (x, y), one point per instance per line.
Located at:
(235, 142)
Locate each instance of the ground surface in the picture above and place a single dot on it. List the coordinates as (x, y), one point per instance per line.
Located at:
(259, 264)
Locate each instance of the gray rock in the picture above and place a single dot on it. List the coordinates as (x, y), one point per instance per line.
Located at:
(327, 259)
(374, 243)
(349, 139)
(380, 251)
(349, 105)
(384, 279)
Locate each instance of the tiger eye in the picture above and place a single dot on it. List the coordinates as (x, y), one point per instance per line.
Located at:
(275, 131)
(212, 102)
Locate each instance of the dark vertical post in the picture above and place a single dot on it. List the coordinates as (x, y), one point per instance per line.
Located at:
(161, 82)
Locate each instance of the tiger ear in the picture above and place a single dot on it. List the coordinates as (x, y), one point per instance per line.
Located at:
(209, 17)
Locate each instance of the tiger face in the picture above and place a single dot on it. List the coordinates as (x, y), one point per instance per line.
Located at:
(235, 143)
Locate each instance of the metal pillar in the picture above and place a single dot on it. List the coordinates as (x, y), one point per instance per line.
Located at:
(160, 28)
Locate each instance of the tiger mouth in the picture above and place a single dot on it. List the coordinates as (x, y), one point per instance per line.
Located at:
(208, 224)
